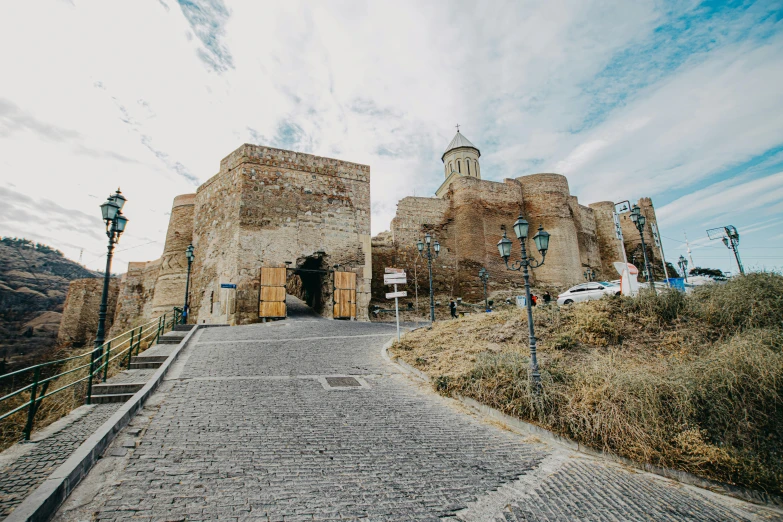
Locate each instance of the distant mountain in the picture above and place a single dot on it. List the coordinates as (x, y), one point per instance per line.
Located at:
(34, 280)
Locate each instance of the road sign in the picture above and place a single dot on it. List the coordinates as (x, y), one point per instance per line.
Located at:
(394, 271)
(392, 295)
(228, 285)
(395, 279)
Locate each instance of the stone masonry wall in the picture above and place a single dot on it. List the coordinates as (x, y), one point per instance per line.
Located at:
(170, 284)
(137, 290)
(467, 223)
(546, 202)
(268, 206)
(80, 312)
(609, 246)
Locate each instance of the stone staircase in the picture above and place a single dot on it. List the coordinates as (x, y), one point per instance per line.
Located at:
(122, 387)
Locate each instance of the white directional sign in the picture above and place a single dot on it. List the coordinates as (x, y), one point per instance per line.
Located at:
(395, 279)
(392, 295)
(394, 270)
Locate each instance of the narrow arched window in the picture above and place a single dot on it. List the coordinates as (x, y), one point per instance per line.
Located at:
(467, 162)
(459, 169)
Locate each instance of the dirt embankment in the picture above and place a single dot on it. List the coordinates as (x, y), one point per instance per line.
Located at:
(690, 382)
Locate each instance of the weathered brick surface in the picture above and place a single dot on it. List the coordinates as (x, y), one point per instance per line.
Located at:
(80, 312)
(467, 223)
(170, 284)
(268, 206)
(134, 302)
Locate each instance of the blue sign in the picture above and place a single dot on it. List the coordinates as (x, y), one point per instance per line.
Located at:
(228, 285)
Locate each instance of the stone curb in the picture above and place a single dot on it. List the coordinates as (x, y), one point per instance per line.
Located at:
(525, 428)
(44, 501)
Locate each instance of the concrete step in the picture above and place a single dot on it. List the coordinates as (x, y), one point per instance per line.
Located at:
(116, 397)
(174, 337)
(120, 388)
(183, 327)
(141, 362)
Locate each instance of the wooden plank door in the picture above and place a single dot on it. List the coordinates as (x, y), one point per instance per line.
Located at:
(272, 295)
(344, 295)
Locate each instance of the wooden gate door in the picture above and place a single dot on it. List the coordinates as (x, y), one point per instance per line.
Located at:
(272, 295)
(344, 295)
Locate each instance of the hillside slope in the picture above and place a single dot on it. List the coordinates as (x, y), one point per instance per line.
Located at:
(34, 280)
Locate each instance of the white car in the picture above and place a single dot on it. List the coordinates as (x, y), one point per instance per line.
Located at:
(588, 292)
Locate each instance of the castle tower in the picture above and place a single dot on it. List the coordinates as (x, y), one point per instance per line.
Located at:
(460, 159)
(170, 284)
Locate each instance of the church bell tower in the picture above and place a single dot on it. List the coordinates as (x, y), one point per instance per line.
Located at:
(461, 158)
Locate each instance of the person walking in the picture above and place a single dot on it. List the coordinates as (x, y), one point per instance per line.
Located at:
(547, 297)
(453, 308)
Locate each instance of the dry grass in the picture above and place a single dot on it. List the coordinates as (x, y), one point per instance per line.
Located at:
(694, 383)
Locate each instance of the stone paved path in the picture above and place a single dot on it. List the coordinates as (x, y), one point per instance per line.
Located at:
(247, 428)
(38, 459)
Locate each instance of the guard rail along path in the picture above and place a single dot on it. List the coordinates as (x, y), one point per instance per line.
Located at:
(76, 374)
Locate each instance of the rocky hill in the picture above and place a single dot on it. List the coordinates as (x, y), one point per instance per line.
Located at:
(34, 280)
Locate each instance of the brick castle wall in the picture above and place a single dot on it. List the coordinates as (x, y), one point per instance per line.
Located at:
(137, 290)
(170, 283)
(268, 206)
(80, 312)
(467, 223)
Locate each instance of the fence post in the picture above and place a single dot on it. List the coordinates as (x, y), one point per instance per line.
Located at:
(89, 380)
(31, 411)
(130, 347)
(106, 364)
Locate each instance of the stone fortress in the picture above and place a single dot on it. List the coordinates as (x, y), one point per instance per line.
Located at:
(466, 218)
(268, 207)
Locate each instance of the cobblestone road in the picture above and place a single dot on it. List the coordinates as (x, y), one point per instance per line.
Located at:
(19, 477)
(248, 429)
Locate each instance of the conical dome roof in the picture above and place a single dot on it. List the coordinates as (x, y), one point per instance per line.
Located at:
(459, 141)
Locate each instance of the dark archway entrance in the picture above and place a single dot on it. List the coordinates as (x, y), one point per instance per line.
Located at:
(309, 281)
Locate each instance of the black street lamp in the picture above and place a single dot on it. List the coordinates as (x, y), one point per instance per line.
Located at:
(484, 276)
(684, 267)
(185, 310)
(590, 274)
(436, 246)
(639, 220)
(541, 239)
(115, 226)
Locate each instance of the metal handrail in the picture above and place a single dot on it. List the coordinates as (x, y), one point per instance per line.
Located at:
(100, 359)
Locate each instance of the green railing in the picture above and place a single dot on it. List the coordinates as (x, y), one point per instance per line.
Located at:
(67, 372)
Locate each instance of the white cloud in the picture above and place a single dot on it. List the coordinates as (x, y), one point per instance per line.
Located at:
(150, 97)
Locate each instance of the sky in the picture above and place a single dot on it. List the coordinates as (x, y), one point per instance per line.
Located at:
(677, 101)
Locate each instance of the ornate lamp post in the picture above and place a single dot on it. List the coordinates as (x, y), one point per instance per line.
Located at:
(185, 311)
(115, 226)
(684, 267)
(484, 276)
(731, 240)
(639, 220)
(590, 274)
(436, 246)
(541, 239)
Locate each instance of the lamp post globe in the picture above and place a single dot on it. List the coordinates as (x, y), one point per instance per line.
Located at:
(541, 240)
